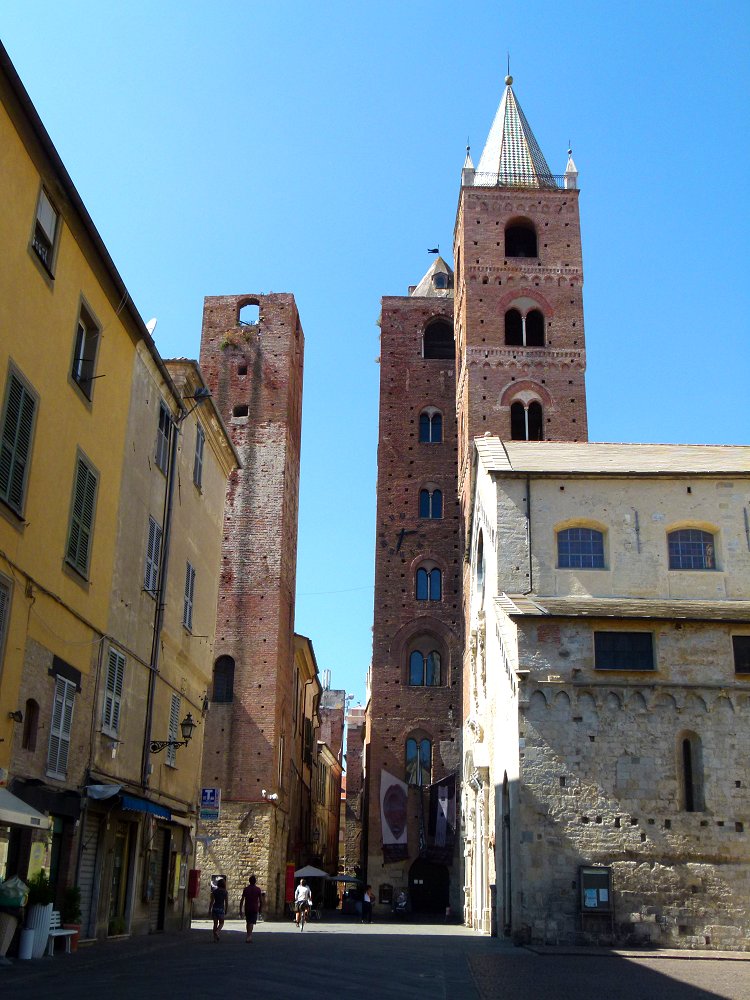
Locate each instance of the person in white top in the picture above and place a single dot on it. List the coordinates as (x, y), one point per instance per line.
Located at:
(302, 899)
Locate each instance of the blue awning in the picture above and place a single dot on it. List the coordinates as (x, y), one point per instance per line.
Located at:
(134, 804)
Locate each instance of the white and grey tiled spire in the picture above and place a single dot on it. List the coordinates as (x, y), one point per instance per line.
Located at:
(511, 154)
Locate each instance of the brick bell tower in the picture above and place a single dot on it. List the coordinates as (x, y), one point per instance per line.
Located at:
(415, 702)
(520, 350)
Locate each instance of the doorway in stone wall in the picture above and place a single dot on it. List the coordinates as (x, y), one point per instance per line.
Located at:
(429, 886)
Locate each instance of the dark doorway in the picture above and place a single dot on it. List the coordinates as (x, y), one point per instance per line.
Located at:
(428, 887)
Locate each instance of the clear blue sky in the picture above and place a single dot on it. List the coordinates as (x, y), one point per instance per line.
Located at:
(316, 148)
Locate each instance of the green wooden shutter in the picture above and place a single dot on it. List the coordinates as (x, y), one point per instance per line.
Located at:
(113, 691)
(15, 443)
(82, 518)
(4, 617)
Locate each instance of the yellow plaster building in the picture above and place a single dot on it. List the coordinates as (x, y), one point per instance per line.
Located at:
(106, 477)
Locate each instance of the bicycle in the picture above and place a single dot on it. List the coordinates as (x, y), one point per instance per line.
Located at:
(303, 917)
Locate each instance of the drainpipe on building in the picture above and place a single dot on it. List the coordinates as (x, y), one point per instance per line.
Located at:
(199, 396)
(528, 533)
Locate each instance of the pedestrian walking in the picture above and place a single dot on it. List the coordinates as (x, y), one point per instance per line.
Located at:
(219, 904)
(251, 904)
(367, 906)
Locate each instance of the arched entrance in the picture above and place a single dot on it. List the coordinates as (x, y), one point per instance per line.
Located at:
(428, 887)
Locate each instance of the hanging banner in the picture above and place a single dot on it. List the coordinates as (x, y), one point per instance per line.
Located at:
(394, 799)
(442, 823)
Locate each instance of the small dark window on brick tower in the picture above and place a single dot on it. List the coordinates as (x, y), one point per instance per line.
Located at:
(513, 328)
(520, 239)
(223, 690)
(690, 548)
(241, 410)
(580, 548)
(430, 427)
(431, 504)
(437, 340)
(691, 759)
(534, 329)
(418, 762)
(429, 584)
(741, 647)
(526, 422)
(424, 668)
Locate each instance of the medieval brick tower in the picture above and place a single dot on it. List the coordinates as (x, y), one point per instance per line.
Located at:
(251, 356)
(519, 294)
(415, 701)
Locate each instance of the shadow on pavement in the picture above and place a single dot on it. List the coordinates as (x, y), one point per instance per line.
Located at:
(374, 961)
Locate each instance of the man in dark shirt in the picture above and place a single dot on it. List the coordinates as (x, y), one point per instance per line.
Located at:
(251, 904)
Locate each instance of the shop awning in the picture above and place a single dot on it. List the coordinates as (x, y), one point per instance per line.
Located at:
(136, 804)
(15, 811)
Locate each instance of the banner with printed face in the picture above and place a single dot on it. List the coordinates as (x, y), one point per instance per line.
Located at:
(442, 823)
(394, 799)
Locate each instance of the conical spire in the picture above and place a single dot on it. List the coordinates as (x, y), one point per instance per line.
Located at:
(437, 282)
(511, 155)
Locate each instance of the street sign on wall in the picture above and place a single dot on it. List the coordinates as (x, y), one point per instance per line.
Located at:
(210, 804)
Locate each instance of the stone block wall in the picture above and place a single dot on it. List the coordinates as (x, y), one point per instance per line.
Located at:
(603, 784)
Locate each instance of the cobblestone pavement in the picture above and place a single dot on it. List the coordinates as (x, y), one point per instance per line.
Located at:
(383, 961)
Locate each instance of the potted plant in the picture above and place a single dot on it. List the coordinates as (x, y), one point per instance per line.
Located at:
(39, 911)
(70, 914)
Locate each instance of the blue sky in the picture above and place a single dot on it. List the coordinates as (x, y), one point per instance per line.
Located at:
(316, 148)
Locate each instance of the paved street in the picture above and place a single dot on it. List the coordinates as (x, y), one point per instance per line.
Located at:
(348, 960)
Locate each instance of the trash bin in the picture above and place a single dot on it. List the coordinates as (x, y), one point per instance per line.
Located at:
(26, 947)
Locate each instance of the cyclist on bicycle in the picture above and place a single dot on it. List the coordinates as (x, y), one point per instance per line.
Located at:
(302, 900)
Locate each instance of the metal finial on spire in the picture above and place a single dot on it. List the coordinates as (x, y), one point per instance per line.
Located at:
(508, 78)
(468, 145)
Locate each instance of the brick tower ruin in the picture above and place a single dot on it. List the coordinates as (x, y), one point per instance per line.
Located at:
(415, 701)
(252, 350)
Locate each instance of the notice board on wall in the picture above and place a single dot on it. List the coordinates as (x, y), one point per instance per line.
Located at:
(596, 889)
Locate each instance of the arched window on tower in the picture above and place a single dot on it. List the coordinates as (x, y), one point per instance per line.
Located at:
(524, 330)
(424, 668)
(431, 503)
(513, 328)
(418, 761)
(223, 690)
(526, 422)
(437, 340)
(520, 239)
(429, 583)
(534, 329)
(430, 426)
